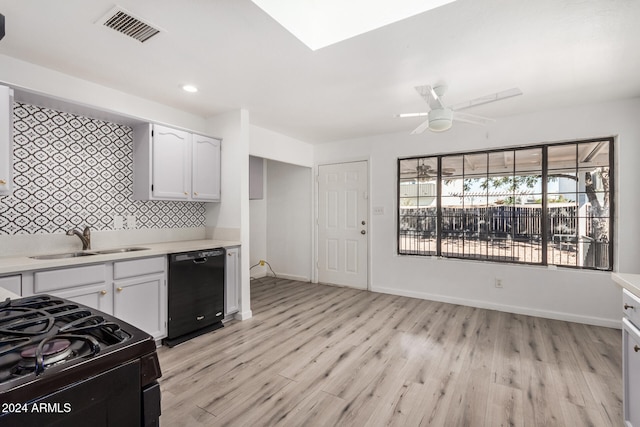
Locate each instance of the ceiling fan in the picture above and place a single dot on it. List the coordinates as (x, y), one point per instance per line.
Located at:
(425, 171)
(441, 117)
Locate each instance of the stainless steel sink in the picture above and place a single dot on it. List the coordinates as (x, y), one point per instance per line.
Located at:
(65, 255)
(121, 250)
(87, 253)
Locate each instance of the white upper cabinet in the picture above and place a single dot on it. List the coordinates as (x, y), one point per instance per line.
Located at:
(6, 140)
(206, 177)
(171, 164)
(170, 171)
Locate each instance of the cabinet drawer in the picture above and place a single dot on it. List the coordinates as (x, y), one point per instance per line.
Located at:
(631, 307)
(138, 267)
(12, 284)
(51, 280)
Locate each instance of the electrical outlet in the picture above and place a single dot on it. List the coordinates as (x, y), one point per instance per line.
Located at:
(118, 222)
(131, 221)
(498, 283)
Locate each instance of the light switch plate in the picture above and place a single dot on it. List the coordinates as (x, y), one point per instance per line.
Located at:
(118, 222)
(378, 210)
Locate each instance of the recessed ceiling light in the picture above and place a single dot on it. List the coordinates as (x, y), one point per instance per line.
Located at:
(322, 23)
(189, 88)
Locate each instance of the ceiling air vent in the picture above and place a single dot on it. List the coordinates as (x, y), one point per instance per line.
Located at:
(124, 22)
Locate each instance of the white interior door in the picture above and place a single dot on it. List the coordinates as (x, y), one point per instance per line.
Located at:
(343, 224)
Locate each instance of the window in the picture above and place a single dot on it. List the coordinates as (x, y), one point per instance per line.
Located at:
(546, 204)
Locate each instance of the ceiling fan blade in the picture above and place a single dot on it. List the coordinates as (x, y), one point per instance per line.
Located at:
(407, 115)
(423, 126)
(471, 118)
(430, 96)
(499, 96)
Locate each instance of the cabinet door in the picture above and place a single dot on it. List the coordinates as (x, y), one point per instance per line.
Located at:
(95, 296)
(232, 281)
(171, 169)
(6, 140)
(12, 284)
(142, 302)
(206, 168)
(631, 372)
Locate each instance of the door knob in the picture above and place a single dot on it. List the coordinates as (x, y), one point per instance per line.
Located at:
(363, 232)
(364, 222)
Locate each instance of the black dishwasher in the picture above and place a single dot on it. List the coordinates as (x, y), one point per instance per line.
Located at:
(196, 294)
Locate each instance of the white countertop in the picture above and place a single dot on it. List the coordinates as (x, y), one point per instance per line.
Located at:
(628, 281)
(24, 263)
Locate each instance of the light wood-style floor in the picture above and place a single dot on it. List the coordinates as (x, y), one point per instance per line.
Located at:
(318, 355)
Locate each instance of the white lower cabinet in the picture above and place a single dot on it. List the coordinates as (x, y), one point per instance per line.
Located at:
(142, 302)
(12, 283)
(134, 291)
(140, 294)
(232, 281)
(631, 358)
(631, 373)
(94, 296)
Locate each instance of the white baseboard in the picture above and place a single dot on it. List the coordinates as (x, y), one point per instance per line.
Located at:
(244, 315)
(547, 314)
(259, 275)
(291, 277)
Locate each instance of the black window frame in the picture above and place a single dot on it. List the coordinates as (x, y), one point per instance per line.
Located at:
(544, 209)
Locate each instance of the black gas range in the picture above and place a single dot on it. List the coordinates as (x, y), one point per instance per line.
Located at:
(66, 364)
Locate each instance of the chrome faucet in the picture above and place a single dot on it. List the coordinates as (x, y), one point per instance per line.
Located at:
(85, 236)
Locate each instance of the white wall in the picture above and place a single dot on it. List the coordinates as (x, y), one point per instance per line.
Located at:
(272, 145)
(258, 226)
(45, 81)
(232, 213)
(283, 156)
(586, 296)
(289, 220)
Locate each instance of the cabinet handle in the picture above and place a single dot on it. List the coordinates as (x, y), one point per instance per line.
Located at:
(2, 182)
(636, 348)
(103, 292)
(195, 193)
(186, 194)
(119, 289)
(229, 254)
(627, 306)
(202, 317)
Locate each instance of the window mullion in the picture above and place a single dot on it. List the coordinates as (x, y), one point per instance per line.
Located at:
(439, 209)
(544, 213)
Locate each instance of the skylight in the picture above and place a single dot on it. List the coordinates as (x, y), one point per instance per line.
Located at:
(322, 23)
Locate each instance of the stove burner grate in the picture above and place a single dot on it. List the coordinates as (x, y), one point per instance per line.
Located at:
(53, 351)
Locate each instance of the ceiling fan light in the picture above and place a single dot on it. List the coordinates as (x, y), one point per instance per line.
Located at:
(440, 119)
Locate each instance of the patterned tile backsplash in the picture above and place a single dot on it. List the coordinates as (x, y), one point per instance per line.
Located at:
(71, 171)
